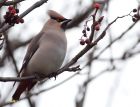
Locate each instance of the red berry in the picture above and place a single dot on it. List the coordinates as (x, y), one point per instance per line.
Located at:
(13, 11)
(10, 8)
(21, 21)
(82, 42)
(87, 41)
(97, 27)
(96, 5)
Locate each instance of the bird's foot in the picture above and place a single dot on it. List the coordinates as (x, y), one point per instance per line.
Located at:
(54, 74)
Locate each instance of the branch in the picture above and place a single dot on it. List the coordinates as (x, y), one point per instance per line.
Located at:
(17, 79)
(34, 6)
(34, 94)
(113, 41)
(12, 2)
(74, 60)
(88, 47)
(9, 51)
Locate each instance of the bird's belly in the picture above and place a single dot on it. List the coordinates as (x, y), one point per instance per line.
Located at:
(47, 61)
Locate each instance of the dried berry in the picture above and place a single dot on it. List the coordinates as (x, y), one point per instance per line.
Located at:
(87, 41)
(134, 19)
(82, 42)
(17, 10)
(97, 27)
(134, 10)
(21, 21)
(88, 29)
(84, 31)
(136, 16)
(85, 35)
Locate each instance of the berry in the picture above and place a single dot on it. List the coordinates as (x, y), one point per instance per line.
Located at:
(134, 10)
(97, 27)
(88, 29)
(87, 41)
(10, 8)
(136, 16)
(5, 16)
(84, 31)
(82, 42)
(21, 21)
(134, 19)
(13, 11)
(17, 10)
(96, 5)
(85, 35)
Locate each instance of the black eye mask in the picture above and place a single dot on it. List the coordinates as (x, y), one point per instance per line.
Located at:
(58, 20)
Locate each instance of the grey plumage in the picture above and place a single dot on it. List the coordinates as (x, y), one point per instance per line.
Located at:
(45, 53)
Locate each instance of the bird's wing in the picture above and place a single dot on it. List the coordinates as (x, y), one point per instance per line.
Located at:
(33, 46)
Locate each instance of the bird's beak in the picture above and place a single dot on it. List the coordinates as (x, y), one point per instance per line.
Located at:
(64, 23)
(67, 20)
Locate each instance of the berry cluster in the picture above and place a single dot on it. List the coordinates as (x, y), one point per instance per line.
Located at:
(136, 16)
(95, 26)
(11, 17)
(83, 41)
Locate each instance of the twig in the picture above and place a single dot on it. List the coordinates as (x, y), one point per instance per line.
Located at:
(34, 94)
(88, 47)
(17, 79)
(79, 55)
(113, 41)
(10, 53)
(34, 6)
(12, 2)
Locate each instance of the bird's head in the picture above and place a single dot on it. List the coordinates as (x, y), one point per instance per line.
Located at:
(57, 20)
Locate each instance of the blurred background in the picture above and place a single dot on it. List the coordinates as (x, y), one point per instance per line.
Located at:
(109, 75)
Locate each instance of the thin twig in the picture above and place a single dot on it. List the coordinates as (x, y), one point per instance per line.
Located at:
(12, 2)
(34, 6)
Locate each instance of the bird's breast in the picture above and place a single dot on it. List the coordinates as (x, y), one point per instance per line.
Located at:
(48, 57)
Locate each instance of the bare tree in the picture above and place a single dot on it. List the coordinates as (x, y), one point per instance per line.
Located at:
(95, 40)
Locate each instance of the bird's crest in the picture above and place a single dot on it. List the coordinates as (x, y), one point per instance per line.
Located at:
(56, 16)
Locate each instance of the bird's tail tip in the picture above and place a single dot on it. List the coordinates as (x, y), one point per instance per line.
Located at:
(13, 101)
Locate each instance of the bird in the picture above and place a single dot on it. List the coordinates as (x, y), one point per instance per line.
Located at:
(45, 53)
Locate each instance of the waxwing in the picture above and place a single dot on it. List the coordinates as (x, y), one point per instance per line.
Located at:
(45, 53)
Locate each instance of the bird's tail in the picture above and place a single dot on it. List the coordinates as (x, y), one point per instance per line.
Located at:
(26, 84)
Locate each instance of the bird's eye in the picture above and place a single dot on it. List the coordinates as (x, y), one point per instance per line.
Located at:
(58, 20)
(54, 18)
